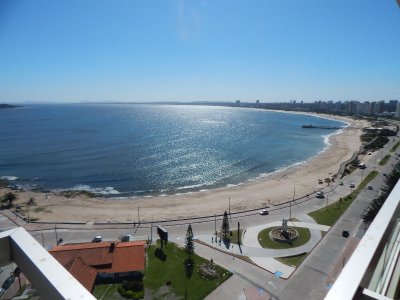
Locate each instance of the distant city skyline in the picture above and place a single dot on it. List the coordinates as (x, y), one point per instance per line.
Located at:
(152, 51)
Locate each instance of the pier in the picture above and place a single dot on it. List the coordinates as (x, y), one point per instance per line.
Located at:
(321, 126)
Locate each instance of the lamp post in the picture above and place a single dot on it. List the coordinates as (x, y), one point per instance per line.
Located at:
(215, 226)
(230, 218)
(138, 213)
(326, 204)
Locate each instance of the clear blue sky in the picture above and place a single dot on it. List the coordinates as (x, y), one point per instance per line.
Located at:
(220, 50)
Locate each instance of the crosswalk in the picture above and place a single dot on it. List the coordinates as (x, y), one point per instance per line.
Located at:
(3, 219)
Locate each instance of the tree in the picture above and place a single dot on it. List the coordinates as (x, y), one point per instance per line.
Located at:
(225, 227)
(9, 197)
(373, 208)
(328, 181)
(189, 246)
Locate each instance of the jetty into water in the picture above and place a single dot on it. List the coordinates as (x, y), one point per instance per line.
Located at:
(321, 126)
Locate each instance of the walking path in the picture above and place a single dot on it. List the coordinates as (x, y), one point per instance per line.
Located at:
(263, 257)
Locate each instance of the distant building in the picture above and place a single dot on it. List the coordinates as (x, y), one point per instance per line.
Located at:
(398, 110)
(237, 102)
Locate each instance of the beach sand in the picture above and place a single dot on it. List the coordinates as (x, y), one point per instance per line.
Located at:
(275, 188)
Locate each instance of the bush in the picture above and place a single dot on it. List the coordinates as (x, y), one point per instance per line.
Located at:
(132, 285)
(130, 294)
(132, 289)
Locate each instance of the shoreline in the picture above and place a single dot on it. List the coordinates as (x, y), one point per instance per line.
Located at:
(274, 188)
(110, 192)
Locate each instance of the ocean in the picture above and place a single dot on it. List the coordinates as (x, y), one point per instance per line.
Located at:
(119, 150)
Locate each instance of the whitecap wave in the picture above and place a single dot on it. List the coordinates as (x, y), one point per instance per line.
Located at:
(101, 191)
(9, 178)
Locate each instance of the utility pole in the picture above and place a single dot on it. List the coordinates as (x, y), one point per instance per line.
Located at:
(55, 230)
(230, 209)
(215, 226)
(290, 203)
(151, 231)
(238, 233)
(138, 215)
(326, 205)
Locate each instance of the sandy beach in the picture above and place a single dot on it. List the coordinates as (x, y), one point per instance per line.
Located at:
(274, 188)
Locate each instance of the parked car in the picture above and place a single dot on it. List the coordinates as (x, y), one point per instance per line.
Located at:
(97, 239)
(370, 187)
(384, 174)
(319, 194)
(126, 238)
(8, 282)
(264, 212)
(1, 292)
(352, 185)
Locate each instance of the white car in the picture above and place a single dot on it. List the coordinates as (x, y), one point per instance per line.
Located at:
(1, 292)
(352, 185)
(319, 194)
(263, 212)
(97, 239)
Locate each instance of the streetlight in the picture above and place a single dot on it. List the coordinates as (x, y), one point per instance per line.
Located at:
(326, 205)
(230, 209)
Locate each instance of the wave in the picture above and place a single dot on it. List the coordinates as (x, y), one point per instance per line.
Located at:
(101, 191)
(214, 122)
(9, 178)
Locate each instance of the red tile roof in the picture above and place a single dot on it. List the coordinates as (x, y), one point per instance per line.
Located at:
(83, 273)
(85, 260)
(93, 254)
(127, 257)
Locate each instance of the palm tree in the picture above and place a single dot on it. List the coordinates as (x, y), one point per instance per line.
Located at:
(9, 197)
(327, 181)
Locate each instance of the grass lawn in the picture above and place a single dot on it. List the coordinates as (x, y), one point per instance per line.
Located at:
(333, 212)
(106, 291)
(234, 237)
(266, 242)
(394, 148)
(384, 160)
(166, 272)
(293, 261)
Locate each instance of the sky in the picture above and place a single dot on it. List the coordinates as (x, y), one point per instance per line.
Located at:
(199, 50)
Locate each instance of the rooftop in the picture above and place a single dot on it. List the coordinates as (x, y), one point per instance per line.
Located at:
(84, 261)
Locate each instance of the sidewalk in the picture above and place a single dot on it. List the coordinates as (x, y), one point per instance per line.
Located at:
(264, 256)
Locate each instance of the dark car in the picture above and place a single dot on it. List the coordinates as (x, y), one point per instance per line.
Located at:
(9, 281)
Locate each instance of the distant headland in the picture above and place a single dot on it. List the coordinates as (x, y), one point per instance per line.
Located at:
(3, 105)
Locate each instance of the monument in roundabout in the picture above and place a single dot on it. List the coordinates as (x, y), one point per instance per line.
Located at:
(284, 234)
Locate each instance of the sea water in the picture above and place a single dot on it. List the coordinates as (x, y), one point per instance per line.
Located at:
(144, 150)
